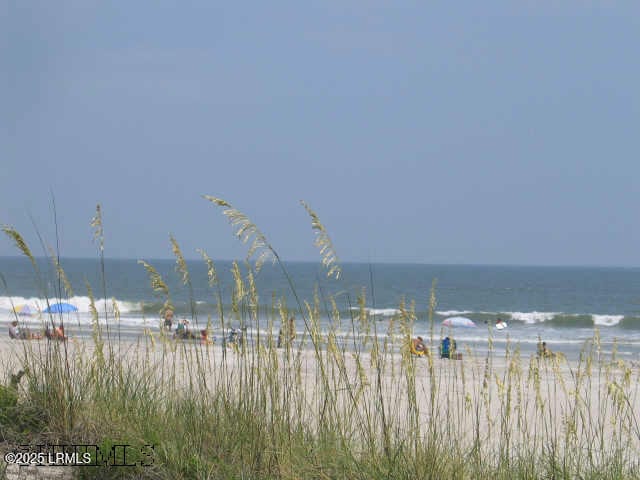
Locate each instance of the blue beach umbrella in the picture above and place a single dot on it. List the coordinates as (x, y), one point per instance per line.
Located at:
(61, 308)
(458, 322)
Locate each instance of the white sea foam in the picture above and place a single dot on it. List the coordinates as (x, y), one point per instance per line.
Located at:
(532, 317)
(82, 303)
(84, 320)
(451, 313)
(519, 340)
(9, 303)
(607, 320)
(618, 352)
(383, 312)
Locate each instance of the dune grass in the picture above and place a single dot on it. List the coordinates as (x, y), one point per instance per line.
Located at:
(320, 406)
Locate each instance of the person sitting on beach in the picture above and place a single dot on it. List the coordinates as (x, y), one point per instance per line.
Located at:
(180, 329)
(234, 338)
(168, 319)
(448, 349)
(14, 330)
(183, 331)
(204, 337)
(58, 333)
(17, 333)
(418, 347)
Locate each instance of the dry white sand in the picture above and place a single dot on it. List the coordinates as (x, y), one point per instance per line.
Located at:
(502, 403)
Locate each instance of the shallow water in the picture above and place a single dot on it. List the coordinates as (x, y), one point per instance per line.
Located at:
(562, 305)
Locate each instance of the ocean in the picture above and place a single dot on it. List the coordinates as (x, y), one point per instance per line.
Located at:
(564, 306)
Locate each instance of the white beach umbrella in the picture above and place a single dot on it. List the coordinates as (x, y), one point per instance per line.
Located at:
(458, 322)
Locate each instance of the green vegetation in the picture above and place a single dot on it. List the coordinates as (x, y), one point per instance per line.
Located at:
(318, 408)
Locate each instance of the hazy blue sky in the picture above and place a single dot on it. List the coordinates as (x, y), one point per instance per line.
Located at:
(453, 132)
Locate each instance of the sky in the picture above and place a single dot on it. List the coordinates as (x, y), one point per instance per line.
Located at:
(493, 132)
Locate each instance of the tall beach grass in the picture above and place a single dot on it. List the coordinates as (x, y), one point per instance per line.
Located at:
(319, 406)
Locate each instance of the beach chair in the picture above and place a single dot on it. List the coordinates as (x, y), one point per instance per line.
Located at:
(417, 347)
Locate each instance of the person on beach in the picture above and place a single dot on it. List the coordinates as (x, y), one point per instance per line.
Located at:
(17, 333)
(204, 337)
(58, 333)
(183, 330)
(287, 332)
(417, 346)
(168, 319)
(448, 349)
(180, 329)
(234, 339)
(543, 351)
(14, 330)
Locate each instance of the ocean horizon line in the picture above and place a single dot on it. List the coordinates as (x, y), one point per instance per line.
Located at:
(347, 262)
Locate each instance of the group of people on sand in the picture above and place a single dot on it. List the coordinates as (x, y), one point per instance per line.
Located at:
(183, 329)
(448, 348)
(286, 335)
(19, 333)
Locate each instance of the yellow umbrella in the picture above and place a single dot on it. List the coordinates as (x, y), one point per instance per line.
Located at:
(23, 310)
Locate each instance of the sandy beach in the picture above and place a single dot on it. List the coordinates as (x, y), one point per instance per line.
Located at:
(498, 404)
